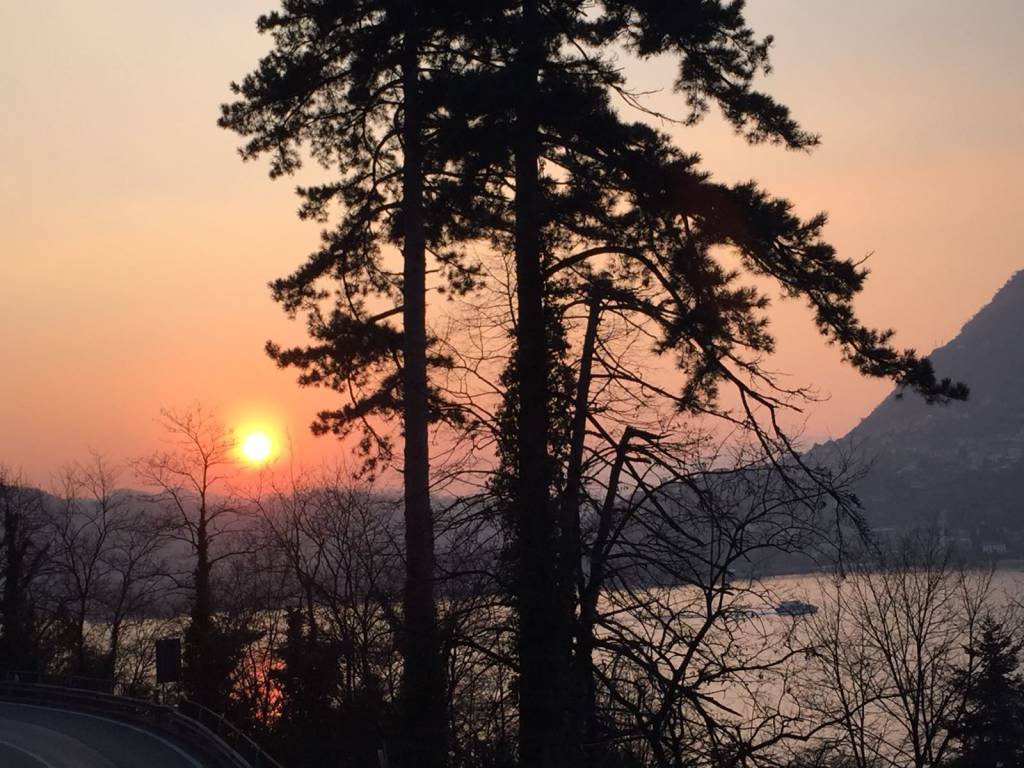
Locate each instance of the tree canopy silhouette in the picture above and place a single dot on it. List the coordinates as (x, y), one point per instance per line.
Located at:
(504, 123)
(599, 200)
(361, 86)
(991, 731)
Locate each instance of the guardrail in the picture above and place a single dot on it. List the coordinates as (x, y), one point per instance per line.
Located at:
(78, 682)
(237, 739)
(204, 730)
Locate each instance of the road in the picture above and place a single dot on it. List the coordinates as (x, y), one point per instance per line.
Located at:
(44, 737)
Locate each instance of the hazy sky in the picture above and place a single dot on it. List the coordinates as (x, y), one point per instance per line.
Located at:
(135, 247)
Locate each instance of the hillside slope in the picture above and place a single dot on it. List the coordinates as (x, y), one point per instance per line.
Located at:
(960, 465)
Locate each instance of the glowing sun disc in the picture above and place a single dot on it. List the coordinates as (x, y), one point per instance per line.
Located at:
(256, 447)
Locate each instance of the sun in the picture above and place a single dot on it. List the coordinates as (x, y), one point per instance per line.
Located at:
(256, 447)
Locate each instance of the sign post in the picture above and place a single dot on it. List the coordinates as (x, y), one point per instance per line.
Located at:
(168, 663)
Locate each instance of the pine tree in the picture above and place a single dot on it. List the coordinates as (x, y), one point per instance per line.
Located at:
(310, 679)
(360, 85)
(597, 199)
(991, 731)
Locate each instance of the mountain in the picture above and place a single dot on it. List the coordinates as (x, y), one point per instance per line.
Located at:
(961, 465)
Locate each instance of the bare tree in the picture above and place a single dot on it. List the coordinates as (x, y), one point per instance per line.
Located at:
(191, 477)
(891, 671)
(105, 562)
(682, 655)
(129, 605)
(335, 548)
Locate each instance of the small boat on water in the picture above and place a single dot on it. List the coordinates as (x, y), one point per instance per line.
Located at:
(795, 608)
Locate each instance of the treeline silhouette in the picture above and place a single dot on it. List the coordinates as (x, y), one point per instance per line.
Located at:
(911, 659)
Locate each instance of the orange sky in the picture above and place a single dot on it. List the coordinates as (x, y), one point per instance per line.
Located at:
(135, 247)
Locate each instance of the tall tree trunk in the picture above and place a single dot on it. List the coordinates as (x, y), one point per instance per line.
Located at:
(201, 669)
(546, 738)
(572, 566)
(80, 634)
(589, 595)
(570, 502)
(14, 651)
(424, 738)
(115, 649)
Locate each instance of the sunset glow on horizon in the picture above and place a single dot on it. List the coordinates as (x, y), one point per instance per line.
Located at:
(135, 248)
